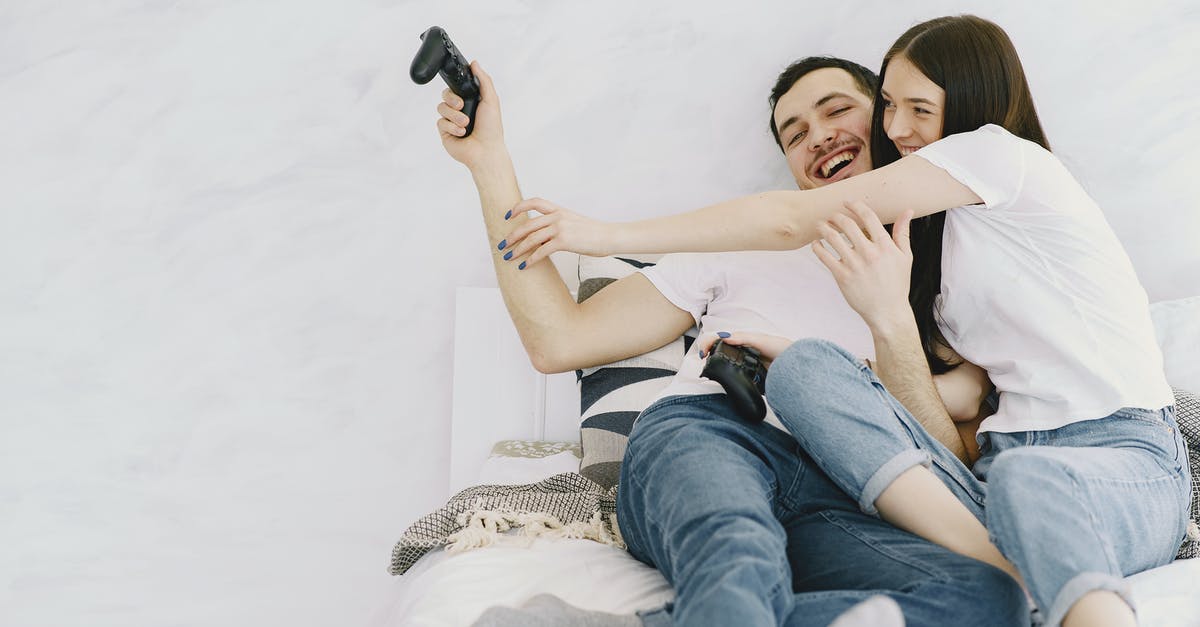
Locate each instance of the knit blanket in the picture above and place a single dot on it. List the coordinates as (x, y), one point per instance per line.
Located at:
(567, 505)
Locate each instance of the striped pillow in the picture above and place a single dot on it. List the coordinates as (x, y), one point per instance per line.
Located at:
(612, 395)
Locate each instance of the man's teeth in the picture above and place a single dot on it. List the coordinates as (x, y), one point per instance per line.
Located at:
(829, 166)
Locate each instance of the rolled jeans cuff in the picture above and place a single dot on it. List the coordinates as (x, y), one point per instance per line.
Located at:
(888, 473)
(1082, 584)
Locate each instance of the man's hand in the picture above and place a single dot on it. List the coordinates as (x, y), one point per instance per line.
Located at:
(487, 138)
(871, 268)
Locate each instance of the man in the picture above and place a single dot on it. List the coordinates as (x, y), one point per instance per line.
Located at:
(735, 516)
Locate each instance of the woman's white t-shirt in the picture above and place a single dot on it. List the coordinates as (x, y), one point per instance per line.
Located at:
(1037, 290)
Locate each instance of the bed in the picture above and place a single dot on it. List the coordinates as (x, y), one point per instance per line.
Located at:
(532, 434)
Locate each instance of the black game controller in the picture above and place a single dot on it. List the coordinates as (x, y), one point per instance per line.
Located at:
(740, 371)
(438, 55)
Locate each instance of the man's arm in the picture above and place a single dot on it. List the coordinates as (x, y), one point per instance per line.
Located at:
(872, 270)
(902, 368)
(558, 334)
(965, 390)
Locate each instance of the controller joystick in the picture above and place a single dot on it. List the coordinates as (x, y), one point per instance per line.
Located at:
(740, 372)
(439, 55)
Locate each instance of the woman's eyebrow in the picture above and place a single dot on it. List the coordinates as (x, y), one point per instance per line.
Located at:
(910, 100)
(921, 101)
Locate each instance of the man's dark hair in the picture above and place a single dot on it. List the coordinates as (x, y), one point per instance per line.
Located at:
(864, 79)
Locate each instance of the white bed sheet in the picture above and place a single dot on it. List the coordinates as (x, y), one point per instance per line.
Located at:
(444, 590)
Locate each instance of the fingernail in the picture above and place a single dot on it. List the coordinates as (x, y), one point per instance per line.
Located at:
(508, 255)
(503, 243)
(522, 266)
(722, 334)
(508, 215)
(701, 354)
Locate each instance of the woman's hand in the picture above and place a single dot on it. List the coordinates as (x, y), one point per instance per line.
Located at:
(556, 229)
(871, 268)
(769, 346)
(487, 136)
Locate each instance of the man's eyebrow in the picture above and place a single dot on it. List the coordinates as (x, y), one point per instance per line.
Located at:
(828, 97)
(788, 122)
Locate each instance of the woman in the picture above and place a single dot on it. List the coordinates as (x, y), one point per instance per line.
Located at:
(1015, 270)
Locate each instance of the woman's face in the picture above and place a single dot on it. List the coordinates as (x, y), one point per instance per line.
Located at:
(913, 106)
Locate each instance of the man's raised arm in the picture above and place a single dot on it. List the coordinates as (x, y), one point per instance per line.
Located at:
(557, 333)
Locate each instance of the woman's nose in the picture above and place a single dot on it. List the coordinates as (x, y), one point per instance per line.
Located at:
(898, 127)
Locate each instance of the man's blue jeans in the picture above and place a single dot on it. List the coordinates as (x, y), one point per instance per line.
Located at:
(750, 532)
(1075, 509)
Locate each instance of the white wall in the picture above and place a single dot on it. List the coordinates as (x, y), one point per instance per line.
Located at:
(229, 241)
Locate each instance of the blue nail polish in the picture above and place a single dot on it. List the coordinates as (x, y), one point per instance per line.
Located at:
(701, 354)
(508, 215)
(722, 334)
(508, 255)
(503, 243)
(522, 266)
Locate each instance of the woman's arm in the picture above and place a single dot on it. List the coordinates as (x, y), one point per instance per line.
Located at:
(779, 220)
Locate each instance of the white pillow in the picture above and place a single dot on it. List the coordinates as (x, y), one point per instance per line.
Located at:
(502, 470)
(1177, 325)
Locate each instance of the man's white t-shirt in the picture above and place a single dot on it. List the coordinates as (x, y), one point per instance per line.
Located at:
(1037, 290)
(786, 293)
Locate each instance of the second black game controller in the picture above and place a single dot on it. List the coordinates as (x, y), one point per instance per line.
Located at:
(439, 55)
(740, 372)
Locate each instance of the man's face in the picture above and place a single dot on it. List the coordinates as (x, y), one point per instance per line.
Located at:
(824, 124)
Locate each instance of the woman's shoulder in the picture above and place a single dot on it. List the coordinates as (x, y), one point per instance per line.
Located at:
(996, 134)
(993, 145)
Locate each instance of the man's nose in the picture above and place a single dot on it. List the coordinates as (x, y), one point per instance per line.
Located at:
(820, 136)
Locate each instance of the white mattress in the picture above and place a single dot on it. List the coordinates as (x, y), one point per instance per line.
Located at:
(445, 590)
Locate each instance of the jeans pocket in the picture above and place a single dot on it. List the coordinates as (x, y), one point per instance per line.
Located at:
(1166, 435)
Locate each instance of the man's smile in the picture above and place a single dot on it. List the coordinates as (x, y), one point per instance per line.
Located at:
(837, 160)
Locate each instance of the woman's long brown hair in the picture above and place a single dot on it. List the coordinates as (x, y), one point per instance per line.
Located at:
(975, 62)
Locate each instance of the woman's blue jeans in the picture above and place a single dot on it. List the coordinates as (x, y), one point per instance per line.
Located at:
(749, 532)
(1075, 509)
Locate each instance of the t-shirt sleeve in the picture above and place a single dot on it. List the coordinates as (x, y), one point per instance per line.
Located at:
(990, 161)
(688, 280)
